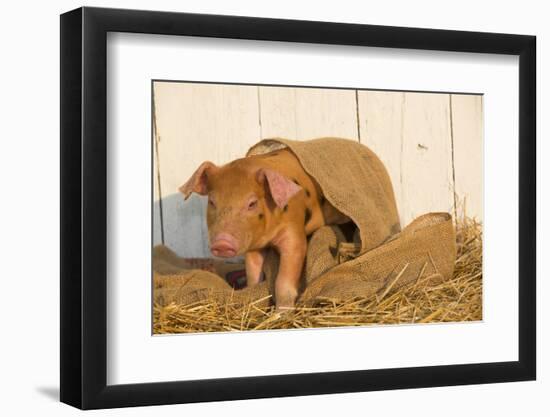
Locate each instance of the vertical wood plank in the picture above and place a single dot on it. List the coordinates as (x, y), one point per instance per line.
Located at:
(157, 224)
(307, 113)
(467, 128)
(198, 122)
(278, 112)
(426, 165)
(381, 129)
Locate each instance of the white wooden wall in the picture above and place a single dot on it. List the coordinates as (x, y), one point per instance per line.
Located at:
(430, 143)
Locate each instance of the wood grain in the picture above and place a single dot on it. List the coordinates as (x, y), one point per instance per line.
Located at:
(381, 129)
(426, 159)
(157, 223)
(307, 113)
(467, 128)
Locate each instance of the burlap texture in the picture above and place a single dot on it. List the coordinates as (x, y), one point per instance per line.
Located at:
(424, 251)
(354, 181)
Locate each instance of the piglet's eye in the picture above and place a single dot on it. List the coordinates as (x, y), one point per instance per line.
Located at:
(252, 204)
(211, 203)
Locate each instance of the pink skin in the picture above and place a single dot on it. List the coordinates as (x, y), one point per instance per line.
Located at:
(224, 245)
(224, 242)
(254, 261)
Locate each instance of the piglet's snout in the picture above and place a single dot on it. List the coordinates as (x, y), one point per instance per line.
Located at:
(224, 245)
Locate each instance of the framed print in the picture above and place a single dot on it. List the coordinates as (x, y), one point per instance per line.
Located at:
(258, 207)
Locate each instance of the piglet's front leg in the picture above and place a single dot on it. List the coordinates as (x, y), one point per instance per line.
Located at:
(292, 250)
(254, 261)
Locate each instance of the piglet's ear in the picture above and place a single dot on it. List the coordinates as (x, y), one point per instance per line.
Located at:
(198, 181)
(281, 188)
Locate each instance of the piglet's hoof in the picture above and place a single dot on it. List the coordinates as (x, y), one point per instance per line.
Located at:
(285, 297)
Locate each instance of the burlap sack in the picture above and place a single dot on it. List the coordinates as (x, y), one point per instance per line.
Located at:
(382, 260)
(423, 252)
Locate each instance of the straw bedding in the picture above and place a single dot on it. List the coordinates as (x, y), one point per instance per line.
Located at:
(455, 300)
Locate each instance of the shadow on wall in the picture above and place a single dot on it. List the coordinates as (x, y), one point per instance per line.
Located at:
(182, 225)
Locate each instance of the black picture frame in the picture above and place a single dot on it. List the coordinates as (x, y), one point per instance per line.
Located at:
(84, 207)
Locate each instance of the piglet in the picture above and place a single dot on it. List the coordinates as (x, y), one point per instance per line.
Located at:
(263, 201)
